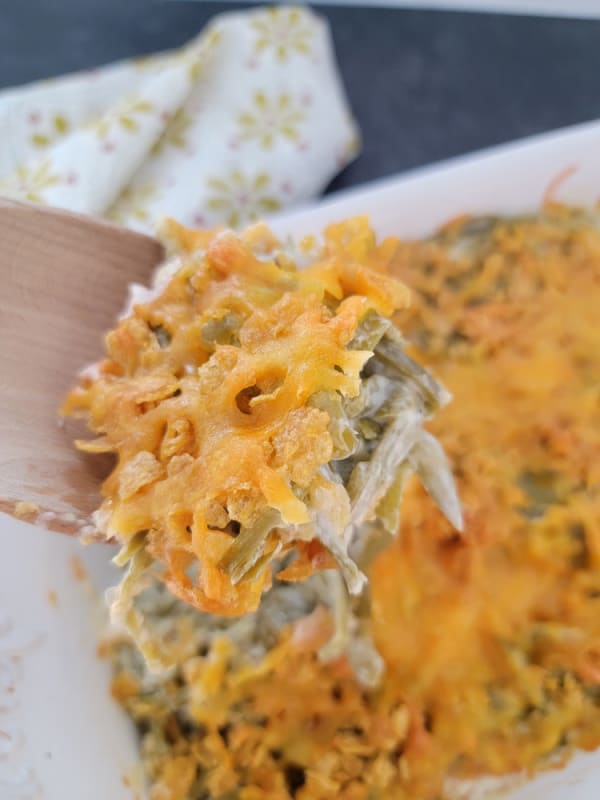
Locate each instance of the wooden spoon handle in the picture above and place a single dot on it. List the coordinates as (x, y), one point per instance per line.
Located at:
(63, 280)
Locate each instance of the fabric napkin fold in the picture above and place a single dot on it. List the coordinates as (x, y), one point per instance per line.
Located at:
(248, 118)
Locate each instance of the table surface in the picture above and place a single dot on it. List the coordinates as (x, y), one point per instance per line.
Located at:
(424, 85)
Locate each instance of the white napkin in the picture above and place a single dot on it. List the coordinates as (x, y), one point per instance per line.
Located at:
(246, 119)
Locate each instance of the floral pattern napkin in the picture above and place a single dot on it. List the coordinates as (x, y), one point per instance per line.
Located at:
(246, 119)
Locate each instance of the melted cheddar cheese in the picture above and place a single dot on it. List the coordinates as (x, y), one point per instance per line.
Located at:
(204, 398)
(491, 641)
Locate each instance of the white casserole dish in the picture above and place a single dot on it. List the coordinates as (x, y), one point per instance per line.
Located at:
(61, 735)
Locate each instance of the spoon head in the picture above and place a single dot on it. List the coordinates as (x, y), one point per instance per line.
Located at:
(63, 280)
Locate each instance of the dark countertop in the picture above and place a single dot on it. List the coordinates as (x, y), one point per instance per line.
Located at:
(424, 85)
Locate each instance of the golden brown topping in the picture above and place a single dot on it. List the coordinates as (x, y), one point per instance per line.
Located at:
(490, 640)
(206, 398)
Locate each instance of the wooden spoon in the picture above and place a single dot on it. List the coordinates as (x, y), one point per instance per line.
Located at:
(63, 281)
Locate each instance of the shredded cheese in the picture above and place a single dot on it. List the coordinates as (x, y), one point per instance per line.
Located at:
(204, 399)
(491, 641)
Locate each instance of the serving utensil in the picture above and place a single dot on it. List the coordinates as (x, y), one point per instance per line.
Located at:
(62, 275)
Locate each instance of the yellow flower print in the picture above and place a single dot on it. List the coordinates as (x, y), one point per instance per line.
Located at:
(193, 56)
(151, 61)
(238, 199)
(197, 55)
(270, 118)
(174, 134)
(284, 31)
(30, 182)
(126, 117)
(352, 145)
(57, 127)
(132, 203)
(196, 63)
